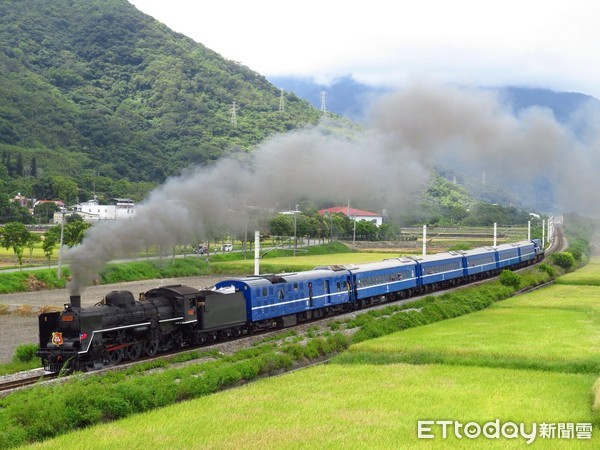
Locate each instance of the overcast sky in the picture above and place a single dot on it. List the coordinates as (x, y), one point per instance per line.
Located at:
(538, 43)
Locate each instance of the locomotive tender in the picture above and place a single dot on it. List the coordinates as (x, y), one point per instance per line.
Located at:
(169, 317)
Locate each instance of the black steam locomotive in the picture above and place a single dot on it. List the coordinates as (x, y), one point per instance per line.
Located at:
(121, 327)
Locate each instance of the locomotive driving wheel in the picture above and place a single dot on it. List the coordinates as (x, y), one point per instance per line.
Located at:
(115, 356)
(151, 347)
(134, 351)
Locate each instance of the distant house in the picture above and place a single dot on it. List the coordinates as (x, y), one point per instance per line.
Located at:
(59, 203)
(20, 199)
(355, 214)
(93, 211)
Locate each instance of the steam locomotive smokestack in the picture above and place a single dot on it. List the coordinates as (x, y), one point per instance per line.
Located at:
(75, 301)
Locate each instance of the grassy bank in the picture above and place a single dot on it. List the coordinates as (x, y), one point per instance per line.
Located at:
(354, 406)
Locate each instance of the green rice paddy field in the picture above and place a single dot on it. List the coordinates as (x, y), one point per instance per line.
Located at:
(532, 359)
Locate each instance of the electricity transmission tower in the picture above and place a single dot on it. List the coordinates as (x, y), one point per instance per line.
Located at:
(323, 102)
(233, 115)
(281, 104)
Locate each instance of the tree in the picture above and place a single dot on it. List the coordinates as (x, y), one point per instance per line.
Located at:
(43, 212)
(564, 260)
(19, 165)
(34, 238)
(33, 167)
(51, 240)
(366, 230)
(16, 236)
(74, 231)
(282, 225)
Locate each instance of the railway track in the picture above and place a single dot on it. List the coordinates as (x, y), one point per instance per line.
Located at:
(19, 381)
(558, 244)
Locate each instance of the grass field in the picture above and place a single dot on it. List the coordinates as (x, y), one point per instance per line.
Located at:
(531, 359)
(322, 260)
(588, 275)
(355, 406)
(552, 329)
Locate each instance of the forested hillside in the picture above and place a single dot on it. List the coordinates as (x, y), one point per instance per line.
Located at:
(96, 91)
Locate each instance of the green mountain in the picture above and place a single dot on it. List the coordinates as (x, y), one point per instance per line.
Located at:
(95, 88)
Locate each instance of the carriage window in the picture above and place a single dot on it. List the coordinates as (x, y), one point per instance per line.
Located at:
(295, 286)
(264, 292)
(280, 294)
(339, 286)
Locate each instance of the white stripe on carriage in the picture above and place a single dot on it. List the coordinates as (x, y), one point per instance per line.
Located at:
(304, 299)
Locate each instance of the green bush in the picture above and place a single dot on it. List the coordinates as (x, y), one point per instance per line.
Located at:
(547, 268)
(564, 260)
(510, 279)
(25, 352)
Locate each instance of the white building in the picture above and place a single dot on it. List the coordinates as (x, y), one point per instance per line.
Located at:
(93, 211)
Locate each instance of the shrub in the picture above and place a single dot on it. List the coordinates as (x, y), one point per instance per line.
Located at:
(564, 260)
(25, 352)
(547, 268)
(510, 279)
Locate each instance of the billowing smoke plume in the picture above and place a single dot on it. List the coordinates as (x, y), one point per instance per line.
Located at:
(411, 132)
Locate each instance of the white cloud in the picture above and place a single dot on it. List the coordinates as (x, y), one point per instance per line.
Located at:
(550, 43)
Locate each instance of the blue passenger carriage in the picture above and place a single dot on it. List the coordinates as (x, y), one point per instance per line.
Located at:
(508, 255)
(390, 278)
(479, 262)
(527, 251)
(443, 269)
(286, 298)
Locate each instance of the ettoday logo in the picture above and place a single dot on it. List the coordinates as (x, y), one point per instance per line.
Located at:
(432, 429)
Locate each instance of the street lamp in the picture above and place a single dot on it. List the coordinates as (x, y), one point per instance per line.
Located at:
(295, 226)
(328, 214)
(60, 248)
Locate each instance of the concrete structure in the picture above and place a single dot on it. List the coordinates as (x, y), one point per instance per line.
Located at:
(93, 211)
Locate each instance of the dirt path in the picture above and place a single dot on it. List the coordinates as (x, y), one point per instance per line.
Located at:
(16, 330)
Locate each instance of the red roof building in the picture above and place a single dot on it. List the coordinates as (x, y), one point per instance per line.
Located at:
(355, 214)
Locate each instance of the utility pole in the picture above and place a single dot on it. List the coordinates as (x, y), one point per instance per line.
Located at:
(60, 248)
(295, 238)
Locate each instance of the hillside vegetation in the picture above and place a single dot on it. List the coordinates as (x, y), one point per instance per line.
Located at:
(96, 90)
